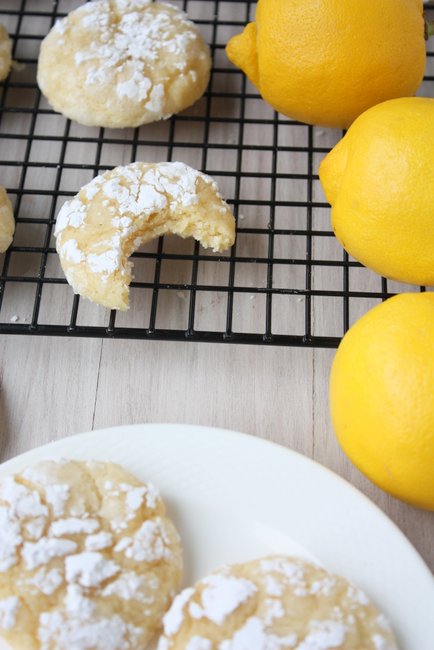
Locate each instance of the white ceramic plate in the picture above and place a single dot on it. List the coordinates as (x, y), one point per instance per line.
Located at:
(235, 497)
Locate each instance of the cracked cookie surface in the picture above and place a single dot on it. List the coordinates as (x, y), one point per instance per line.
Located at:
(88, 558)
(274, 603)
(98, 230)
(123, 63)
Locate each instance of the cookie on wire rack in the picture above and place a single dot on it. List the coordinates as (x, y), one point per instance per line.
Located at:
(7, 222)
(99, 229)
(88, 558)
(5, 52)
(123, 63)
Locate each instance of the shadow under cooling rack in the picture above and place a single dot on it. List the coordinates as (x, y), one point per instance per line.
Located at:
(286, 281)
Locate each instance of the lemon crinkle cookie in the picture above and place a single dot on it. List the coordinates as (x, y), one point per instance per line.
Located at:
(88, 558)
(274, 603)
(116, 212)
(5, 53)
(7, 222)
(122, 63)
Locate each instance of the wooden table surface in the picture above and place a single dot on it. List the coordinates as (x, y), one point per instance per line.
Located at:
(51, 388)
(55, 387)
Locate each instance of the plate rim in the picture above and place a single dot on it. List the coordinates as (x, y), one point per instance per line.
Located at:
(248, 438)
(341, 563)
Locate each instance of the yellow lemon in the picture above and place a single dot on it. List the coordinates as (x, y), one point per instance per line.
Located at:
(379, 180)
(382, 396)
(327, 61)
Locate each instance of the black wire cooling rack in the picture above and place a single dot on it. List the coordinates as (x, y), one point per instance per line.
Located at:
(285, 282)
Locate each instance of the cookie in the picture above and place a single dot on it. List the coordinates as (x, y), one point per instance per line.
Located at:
(5, 53)
(116, 212)
(275, 603)
(122, 63)
(7, 222)
(88, 558)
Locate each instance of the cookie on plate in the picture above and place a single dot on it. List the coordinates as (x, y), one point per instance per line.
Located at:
(116, 212)
(7, 222)
(274, 603)
(5, 53)
(122, 63)
(88, 558)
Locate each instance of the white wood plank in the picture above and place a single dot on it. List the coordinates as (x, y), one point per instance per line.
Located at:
(47, 390)
(262, 391)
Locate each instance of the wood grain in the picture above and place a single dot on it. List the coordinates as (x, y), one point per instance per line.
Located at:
(47, 390)
(244, 388)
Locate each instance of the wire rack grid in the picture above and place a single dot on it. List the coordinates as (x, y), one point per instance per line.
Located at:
(286, 281)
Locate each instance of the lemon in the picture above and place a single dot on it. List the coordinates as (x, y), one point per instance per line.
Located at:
(326, 62)
(379, 180)
(382, 396)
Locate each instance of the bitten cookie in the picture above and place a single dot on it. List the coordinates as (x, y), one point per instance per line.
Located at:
(7, 221)
(88, 558)
(275, 603)
(122, 63)
(5, 53)
(116, 212)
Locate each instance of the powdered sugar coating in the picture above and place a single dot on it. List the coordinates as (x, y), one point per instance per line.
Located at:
(274, 603)
(66, 588)
(130, 586)
(148, 544)
(47, 580)
(221, 596)
(254, 636)
(89, 569)
(80, 628)
(8, 612)
(323, 635)
(199, 643)
(175, 616)
(73, 526)
(98, 230)
(36, 554)
(133, 63)
(98, 541)
(10, 540)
